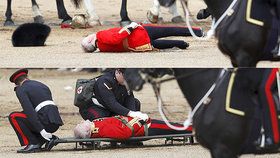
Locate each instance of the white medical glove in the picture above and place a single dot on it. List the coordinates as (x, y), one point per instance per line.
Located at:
(138, 114)
(133, 25)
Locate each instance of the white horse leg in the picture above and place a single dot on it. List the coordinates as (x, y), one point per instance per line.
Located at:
(93, 19)
(153, 13)
(156, 8)
(38, 18)
(176, 18)
(173, 10)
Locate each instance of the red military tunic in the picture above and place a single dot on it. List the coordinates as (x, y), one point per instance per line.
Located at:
(121, 127)
(121, 40)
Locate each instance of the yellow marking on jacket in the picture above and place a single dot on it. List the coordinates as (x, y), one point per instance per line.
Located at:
(228, 96)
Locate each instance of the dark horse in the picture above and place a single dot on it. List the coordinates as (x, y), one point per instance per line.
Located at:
(62, 13)
(244, 42)
(219, 127)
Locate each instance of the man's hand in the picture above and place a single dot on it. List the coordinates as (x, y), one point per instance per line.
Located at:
(133, 25)
(46, 135)
(138, 114)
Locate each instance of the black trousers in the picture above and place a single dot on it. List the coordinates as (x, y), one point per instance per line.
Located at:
(157, 32)
(270, 119)
(159, 127)
(262, 84)
(94, 112)
(25, 131)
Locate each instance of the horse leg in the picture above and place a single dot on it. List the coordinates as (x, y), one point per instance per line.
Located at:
(93, 19)
(8, 14)
(62, 13)
(38, 18)
(124, 16)
(176, 18)
(222, 151)
(153, 13)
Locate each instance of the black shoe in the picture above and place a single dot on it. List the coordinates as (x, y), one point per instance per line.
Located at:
(30, 148)
(50, 144)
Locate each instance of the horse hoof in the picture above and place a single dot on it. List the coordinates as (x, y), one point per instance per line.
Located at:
(92, 23)
(203, 14)
(151, 17)
(177, 19)
(124, 23)
(66, 22)
(39, 19)
(9, 23)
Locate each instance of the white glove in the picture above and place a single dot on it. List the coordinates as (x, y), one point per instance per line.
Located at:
(46, 134)
(133, 25)
(138, 114)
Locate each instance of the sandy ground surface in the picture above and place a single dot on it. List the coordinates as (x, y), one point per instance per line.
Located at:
(62, 84)
(63, 45)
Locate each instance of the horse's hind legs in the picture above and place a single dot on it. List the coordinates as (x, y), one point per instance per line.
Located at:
(8, 14)
(93, 19)
(38, 18)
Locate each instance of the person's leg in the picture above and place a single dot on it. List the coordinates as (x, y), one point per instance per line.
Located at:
(156, 32)
(270, 121)
(22, 127)
(159, 127)
(165, 44)
(94, 112)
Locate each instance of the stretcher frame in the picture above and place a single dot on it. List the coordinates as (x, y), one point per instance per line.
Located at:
(185, 138)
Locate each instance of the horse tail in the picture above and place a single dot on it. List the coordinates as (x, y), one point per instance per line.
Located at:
(77, 3)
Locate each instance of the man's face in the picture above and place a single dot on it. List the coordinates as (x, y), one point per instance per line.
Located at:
(120, 77)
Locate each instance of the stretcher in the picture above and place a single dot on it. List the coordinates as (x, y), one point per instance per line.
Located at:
(94, 143)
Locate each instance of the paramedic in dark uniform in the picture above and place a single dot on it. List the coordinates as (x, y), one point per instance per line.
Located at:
(112, 97)
(40, 117)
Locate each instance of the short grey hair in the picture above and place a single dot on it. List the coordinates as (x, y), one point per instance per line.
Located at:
(83, 129)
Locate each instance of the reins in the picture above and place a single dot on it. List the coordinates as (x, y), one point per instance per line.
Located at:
(188, 121)
(214, 25)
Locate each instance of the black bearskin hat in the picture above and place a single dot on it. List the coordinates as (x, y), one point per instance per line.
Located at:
(30, 34)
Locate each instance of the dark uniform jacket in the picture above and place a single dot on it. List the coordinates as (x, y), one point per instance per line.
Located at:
(112, 95)
(32, 93)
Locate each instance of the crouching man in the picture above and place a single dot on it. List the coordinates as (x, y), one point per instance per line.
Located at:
(124, 127)
(40, 117)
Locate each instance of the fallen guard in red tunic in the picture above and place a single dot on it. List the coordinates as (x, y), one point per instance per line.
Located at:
(122, 128)
(137, 38)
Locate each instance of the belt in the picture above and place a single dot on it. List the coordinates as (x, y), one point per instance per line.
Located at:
(126, 123)
(43, 104)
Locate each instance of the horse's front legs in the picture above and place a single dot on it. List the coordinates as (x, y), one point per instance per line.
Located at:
(8, 14)
(38, 18)
(62, 13)
(125, 20)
